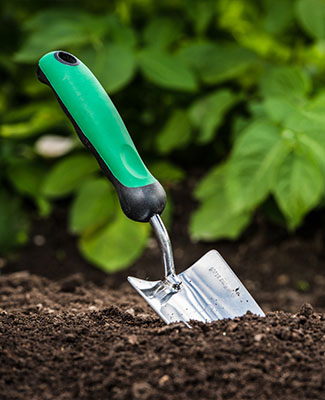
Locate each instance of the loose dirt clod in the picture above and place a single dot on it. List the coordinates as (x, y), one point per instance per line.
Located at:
(77, 351)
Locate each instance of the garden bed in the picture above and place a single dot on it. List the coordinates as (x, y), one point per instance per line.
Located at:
(73, 339)
(68, 330)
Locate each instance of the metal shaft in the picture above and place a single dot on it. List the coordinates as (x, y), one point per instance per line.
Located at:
(164, 244)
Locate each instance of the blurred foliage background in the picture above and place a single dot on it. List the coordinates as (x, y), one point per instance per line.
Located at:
(234, 89)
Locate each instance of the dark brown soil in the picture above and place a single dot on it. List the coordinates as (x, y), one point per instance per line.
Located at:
(69, 331)
(74, 340)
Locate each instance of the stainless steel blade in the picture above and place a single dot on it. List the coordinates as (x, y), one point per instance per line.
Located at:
(209, 291)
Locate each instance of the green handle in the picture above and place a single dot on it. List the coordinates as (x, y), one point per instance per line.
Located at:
(102, 130)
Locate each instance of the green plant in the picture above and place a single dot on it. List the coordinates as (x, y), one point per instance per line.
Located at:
(280, 152)
(233, 87)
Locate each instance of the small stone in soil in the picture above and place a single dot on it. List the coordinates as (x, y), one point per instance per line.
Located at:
(141, 390)
(306, 310)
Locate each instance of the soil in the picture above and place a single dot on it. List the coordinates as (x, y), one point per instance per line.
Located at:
(69, 331)
(71, 339)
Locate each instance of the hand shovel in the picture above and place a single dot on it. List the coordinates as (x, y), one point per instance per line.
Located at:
(208, 290)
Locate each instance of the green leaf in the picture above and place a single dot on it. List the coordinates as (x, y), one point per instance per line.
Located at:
(255, 159)
(238, 126)
(298, 187)
(212, 183)
(113, 65)
(45, 207)
(30, 120)
(119, 33)
(317, 104)
(51, 16)
(278, 16)
(166, 70)
(314, 143)
(14, 223)
(305, 124)
(285, 81)
(302, 285)
(305, 120)
(308, 127)
(161, 32)
(207, 113)
(175, 134)
(196, 53)
(166, 172)
(278, 108)
(53, 29)
(201, 13)
(311, 15)
(93, 206)
(217, 63)
(256, 109)
(27, 177)
(207, 222)
(117, 245)
(68, 174)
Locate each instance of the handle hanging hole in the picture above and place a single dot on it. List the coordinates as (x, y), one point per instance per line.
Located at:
(66, 58)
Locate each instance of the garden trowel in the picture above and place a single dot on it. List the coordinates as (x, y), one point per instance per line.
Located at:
(208, 290)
